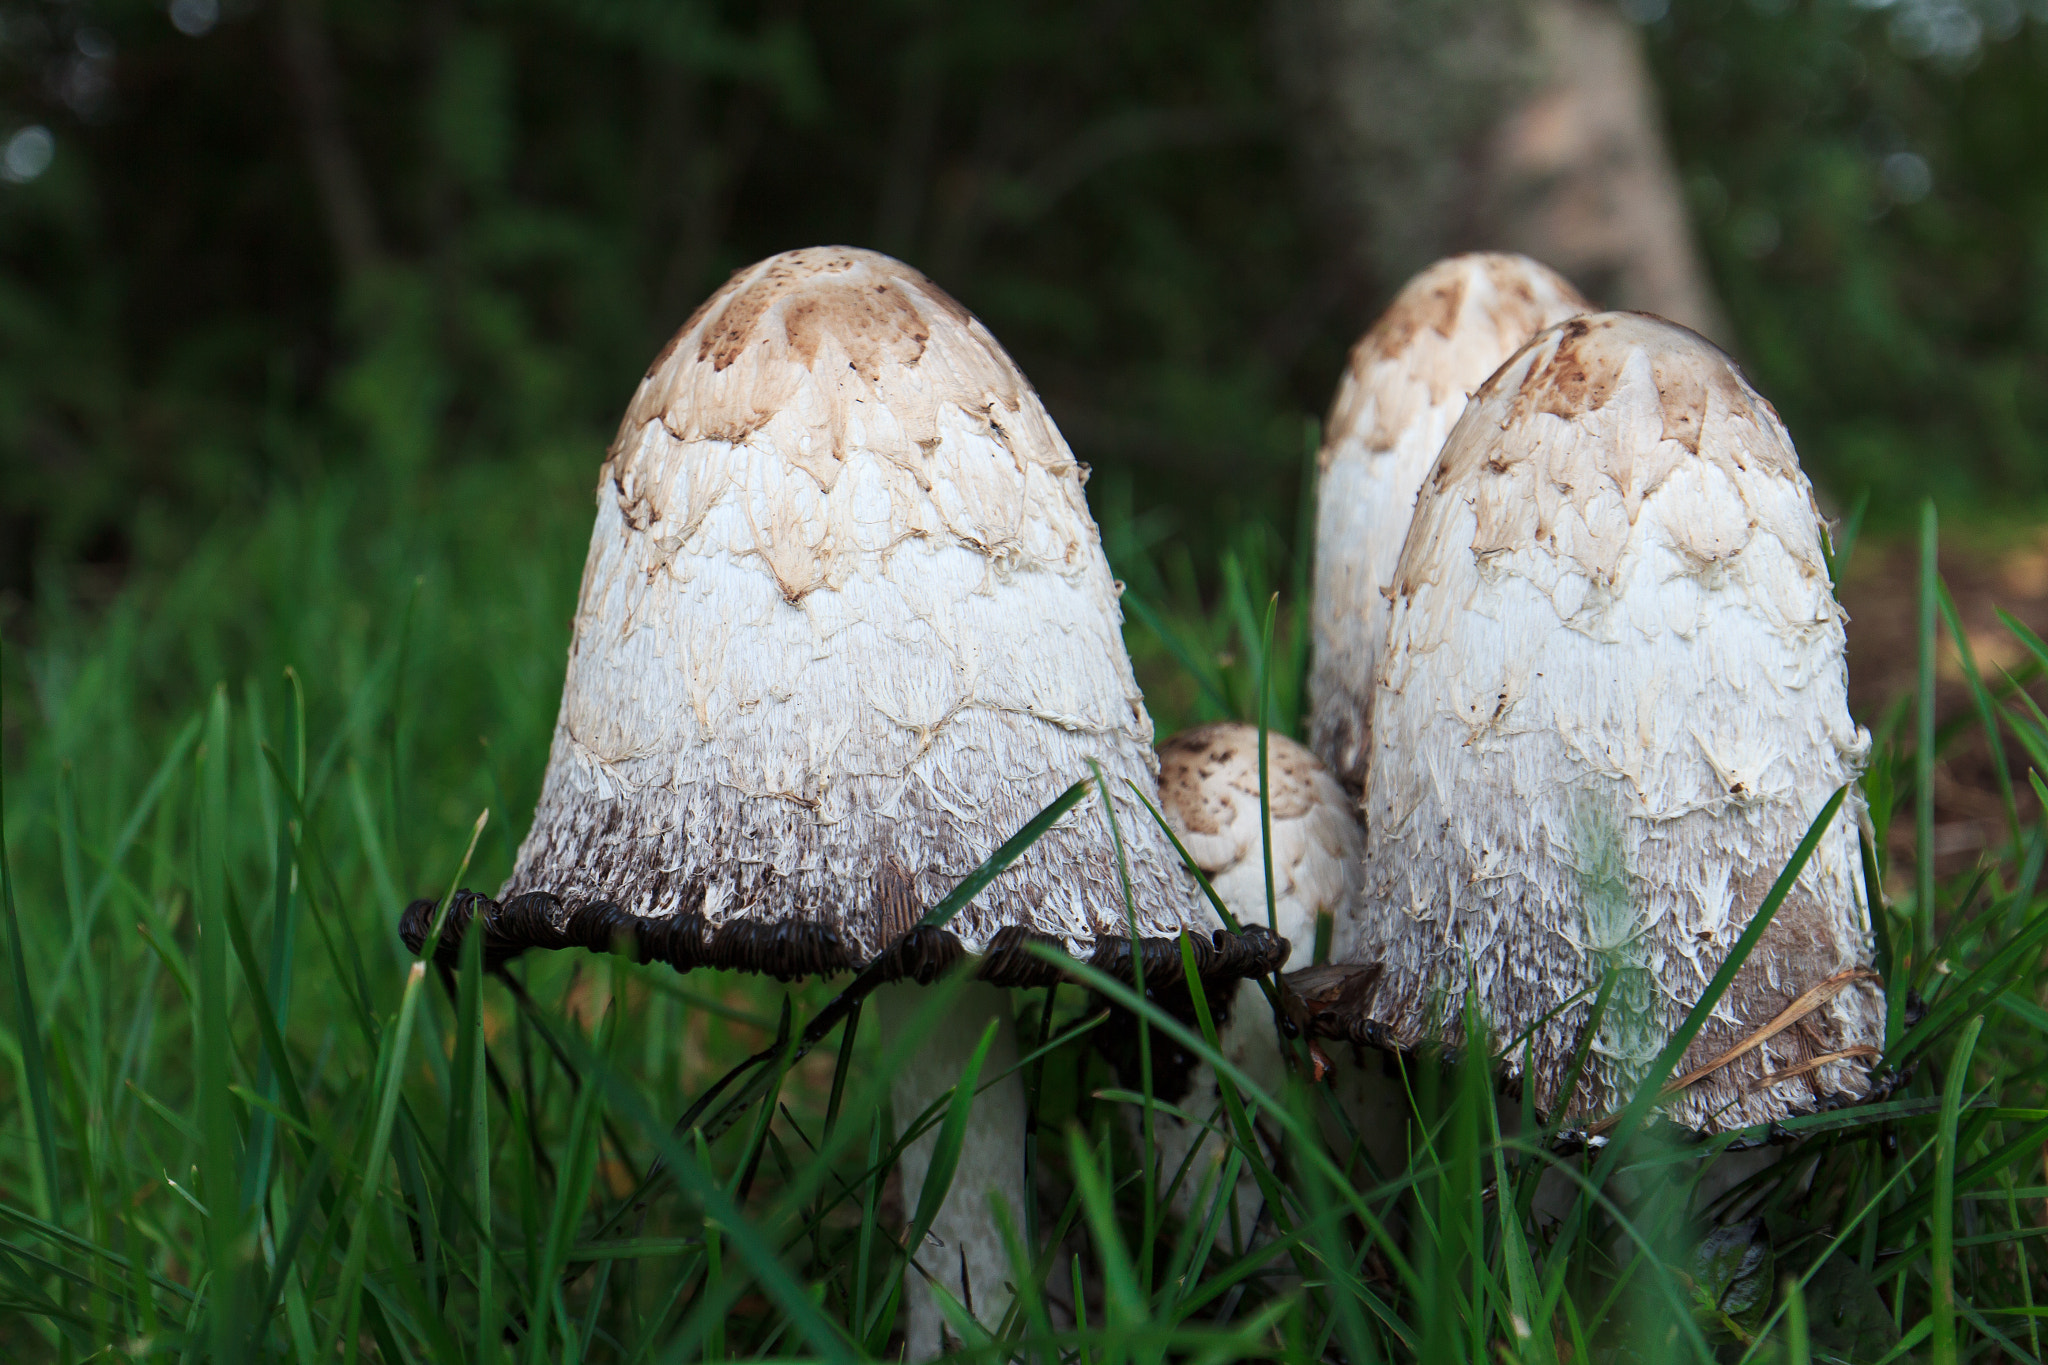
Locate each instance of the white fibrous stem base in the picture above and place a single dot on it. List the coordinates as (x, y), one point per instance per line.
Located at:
(963, 1254)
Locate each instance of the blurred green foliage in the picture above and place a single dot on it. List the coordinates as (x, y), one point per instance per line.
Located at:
(550, 187)
(533, 193)
(1870, 179)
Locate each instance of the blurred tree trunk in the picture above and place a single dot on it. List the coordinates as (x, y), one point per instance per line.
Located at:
(1426, 127)
(314, 85)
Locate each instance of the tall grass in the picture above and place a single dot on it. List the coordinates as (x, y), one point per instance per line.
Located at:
(241, 1122)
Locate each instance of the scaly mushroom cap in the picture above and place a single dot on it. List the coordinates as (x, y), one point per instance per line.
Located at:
(846, 625)
(1612, 699)
(1209, 793)
(1406, 383)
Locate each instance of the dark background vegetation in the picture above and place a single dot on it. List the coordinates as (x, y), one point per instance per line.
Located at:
(316, 315)
(277, 241)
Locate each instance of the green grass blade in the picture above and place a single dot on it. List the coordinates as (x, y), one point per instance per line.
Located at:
(1191, 663)
(1123, 1302)
(1012, 849)
(1238, 602)
(1798, 1344)
(1942, 1347)
(369, 1202)
(214, 1045)
(160, 782)
(1265, 704)
(43, 1127)
(1148, 1144)
(938, 1176)
(1840, 550)
(478, 1142)
(1987, 711)
(1923, 747)
(572, 1193)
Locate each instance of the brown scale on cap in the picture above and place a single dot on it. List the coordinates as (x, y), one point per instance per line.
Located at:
(741, 359)
(1582, 372)
(1649, 398)
(1193, 759)
(1431, 306)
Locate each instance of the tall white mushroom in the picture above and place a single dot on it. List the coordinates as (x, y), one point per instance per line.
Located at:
(1612, 699)
(845, 626)
(1407, 380)
(1209, 794)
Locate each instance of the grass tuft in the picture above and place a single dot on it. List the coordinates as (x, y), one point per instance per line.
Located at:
(238, 1121)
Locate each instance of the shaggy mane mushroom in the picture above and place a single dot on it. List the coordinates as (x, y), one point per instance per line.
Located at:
(846, 626)
(1407, 381)
(1612, 698)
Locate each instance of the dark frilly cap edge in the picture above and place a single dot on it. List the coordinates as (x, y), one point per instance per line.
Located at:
(796, 948)
(1334, 1002)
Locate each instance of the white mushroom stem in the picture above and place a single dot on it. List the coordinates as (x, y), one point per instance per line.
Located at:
(1374, 1096)
(963, 1252)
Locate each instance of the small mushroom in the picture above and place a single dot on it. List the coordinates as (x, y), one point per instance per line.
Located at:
(1209, 794)
(845, 627)
(1402, 391)
(1612, 699)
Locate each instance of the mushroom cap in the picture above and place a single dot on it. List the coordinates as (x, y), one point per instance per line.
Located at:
(1209, 794)
(1406, 382)
(845, 626)
(1613, 697)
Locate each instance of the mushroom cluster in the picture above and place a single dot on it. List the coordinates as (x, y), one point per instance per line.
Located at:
(1612, 698)
(846, 625)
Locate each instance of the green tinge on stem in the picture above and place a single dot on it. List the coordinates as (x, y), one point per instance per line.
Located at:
(1651, 1089)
